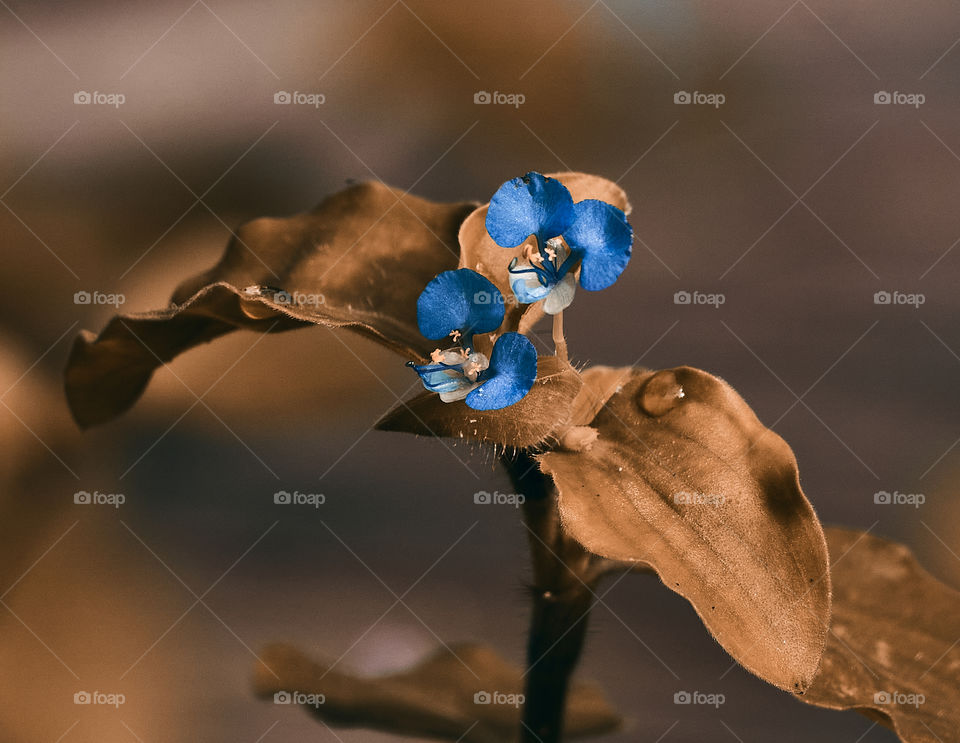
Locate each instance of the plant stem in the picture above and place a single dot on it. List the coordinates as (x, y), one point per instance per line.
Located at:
(557, 633)
(564, 579)
(559, 341)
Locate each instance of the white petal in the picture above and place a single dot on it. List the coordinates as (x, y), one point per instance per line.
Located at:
(561, 295)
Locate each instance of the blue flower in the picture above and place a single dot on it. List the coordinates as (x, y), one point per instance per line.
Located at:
(459, 374)
(454, 373)
(460, 304)
(591, 233)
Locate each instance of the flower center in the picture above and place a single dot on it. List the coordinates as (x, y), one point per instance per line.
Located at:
(550, 263)
(459, 361)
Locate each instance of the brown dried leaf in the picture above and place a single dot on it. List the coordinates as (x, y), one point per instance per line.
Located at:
(479, 252)
(358, 260)
(527, 423)
(599, 384)
(894, 633)
(684, 478)
(434, 699)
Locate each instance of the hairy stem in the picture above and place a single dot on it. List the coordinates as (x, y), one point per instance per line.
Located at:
(564, 580)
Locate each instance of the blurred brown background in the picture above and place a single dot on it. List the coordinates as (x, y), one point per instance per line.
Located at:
(798, 198)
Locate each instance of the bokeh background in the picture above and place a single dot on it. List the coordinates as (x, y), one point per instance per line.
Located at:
(797, 199)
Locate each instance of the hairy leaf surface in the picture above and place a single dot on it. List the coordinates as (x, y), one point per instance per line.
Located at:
(684, 478)
(359, 260)
(894, 641)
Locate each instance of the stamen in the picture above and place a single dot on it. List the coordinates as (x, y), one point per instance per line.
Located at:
(473, 365)
(532, 254)
(436, 356)
(470, 370)
(455, 334)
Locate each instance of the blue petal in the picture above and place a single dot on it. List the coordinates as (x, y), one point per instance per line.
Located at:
(527, 289)
(512, 371)
(532, 205)
(603, 238)
(459, 300)
(439, 378)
